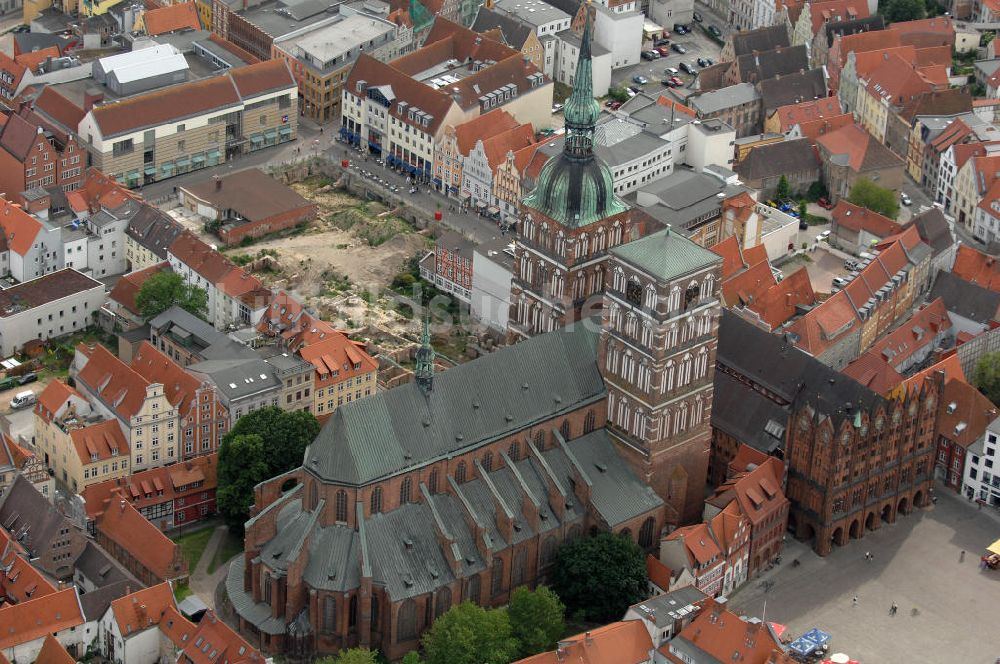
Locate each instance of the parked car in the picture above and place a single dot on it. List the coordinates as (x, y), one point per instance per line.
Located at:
(702, 62)
(29, 377)
(905, 199)
(7, 383)
(638, 79)
(697, 17)
(663, 50)
(649, 55)
(839, 282)
(557, 107)
(23, 400)
(634, 90)
(677, 48)
(667, 83)
(614, 105)
(21, 28)
(803, 226)
(851, 265)
(671, 71)
(715, 31)
(676, 81)
(680, 28)
(824, 203)
(688, 69)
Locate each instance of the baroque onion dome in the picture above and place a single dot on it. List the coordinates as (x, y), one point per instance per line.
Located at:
(575, 187)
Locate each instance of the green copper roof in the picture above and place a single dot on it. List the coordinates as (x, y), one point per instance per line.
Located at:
(575, 188)
(666, 255)
(420, 16)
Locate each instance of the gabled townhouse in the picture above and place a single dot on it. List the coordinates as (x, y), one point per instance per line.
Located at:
(129, 629)
(972, 309)
(398, 111)
(156, 135)
(981, 480)
(731, 530)
(508, 180)
(763, 65)
(986, 222)
(138, 545)
(148, 237)
(951, 162)
(457, 142)
(202, 418)
(819, 51)
(235, 297)
(815, 15)
(478, 172)
(937, 136)
(850, 153)
(972, 181)
(717, 634)
(936, 232)
(121, 307)
(625, 642)
(694, 547)
(977, 267)
(169, 497)
(784, 119)
(28, 625)
(139, 406)
(343, 372)
(16, 461)
(964, 415)
(32, 157)
(450, 266)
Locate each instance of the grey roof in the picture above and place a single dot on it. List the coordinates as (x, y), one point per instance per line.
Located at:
(754, 67)
(570, 36)
(987, 67)
(28, 42)
(747, 415)
(153, 229)
(719, 100)
(762, 39)
(97, 567)
(238, 378)
(685, 198)
(655, 118)
(515, 33)
(469, 405)
(198, 336)
(535, 12)
(965, 298)
(95, 603)
(796, 156)
(616, 140)
(456, 243)
(689, 652)
(663, 609)
(853, 27)
(934, 229)
(257, 613)
(666, 255)
(789, 373)
(792, 89)
(571, 7)
(25, 509)
(222, 54)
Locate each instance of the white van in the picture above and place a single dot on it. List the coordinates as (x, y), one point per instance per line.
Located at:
(23, 400)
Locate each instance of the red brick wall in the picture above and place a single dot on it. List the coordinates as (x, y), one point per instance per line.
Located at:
(274, 224)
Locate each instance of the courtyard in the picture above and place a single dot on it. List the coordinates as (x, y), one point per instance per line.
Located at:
(917, 564)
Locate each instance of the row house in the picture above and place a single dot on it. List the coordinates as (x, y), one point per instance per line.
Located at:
(169, 497)
(399, 110)
(202, 417)
(31, 157)
(972, 183)
(509, 179)
(76, 460)
(155, 135)
(457, 142)
(140, 406)
(138, 545)
(17, 461)
(343, 372)
(696, 548)
(986, 224)
(848, 323)
(667, 613)
(815, 15)
(822, 43)
(478, 173)
(449, 267)
(952, 161)
(982, 470)
(964, 414)
(236, 298)
(148, 237)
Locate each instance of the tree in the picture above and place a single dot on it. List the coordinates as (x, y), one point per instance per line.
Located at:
(352, 656)
(987, 376)
(803, 210)
(536, 619)
(600, 577)
(166, 289)
(817, 190)
(412, 657)
(262, 444)
(784, 189)
(469, 634)
(896, 11)
(618, 93)
(869, 195)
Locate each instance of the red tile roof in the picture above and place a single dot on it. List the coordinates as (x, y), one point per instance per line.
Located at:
(244, 55)
(53, 652)
(99, 191)
(286, 317)
(53, 397)
(697, 539)
(123, 524)
(153, 486)
(898, 81)
(976, 267)
(512, 140)
(267, 76)
(807, 111)
(951, 366)
(338, 354)
(483, 127)
(745, 287)
(19, 580)
(26, 621)
(179, 386)
(11, 74)
(828, 11)
(33, 59)
(663, 100)
(212, 266)
(171, 18)
(219, 644)
(872, 371)
(728, 637)
(60, 109)
(963, 413)
(759, 490)
(659, 574)
(730, 528)
(857, 145)
(142, 609)
(19, 227)
(99, 442)
(913, 334)
(731, 254)
(746, 455)
(625, 642)
(855, 218)
(939, 25)
(129, 285)
(777, 304)
(816, 128)
(122, 389)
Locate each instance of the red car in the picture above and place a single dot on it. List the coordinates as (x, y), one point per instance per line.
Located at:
(614, 105)
(824, 203)
(676, 81)
(663, 50)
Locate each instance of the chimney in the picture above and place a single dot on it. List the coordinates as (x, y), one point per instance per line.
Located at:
(141, 612)
(218, 182)
(92, 97)
(587, 638)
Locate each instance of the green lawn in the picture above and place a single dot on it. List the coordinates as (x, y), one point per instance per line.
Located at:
(231, 546)
(193, 545)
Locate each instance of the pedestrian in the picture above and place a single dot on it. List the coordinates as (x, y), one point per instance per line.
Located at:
(961, 557)
(893, 609)
(855, 602)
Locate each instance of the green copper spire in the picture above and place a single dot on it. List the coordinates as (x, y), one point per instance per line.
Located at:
(425, 359)
(419, 15)
(575, 188)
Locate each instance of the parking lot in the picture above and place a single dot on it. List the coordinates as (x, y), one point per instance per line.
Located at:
(696, 43)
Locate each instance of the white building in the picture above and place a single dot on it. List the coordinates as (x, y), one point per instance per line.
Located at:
(55, 305)
(620, 33)
(669, 12)
(982, 467)
(492, 272)
(547, 22)
(778, 231)
(568, 53)
(710, 142)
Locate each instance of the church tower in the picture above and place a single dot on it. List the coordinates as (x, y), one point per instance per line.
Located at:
(568, 222)
(658, 343)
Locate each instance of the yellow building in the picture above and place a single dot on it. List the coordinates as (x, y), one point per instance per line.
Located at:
(96, 7)
(344, 372)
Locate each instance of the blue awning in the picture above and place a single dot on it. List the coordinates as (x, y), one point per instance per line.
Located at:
(427, 167)
(411, 168)
(437, 181)
(343, 131)
(803, 646)
(391, 160)
(452, 188)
